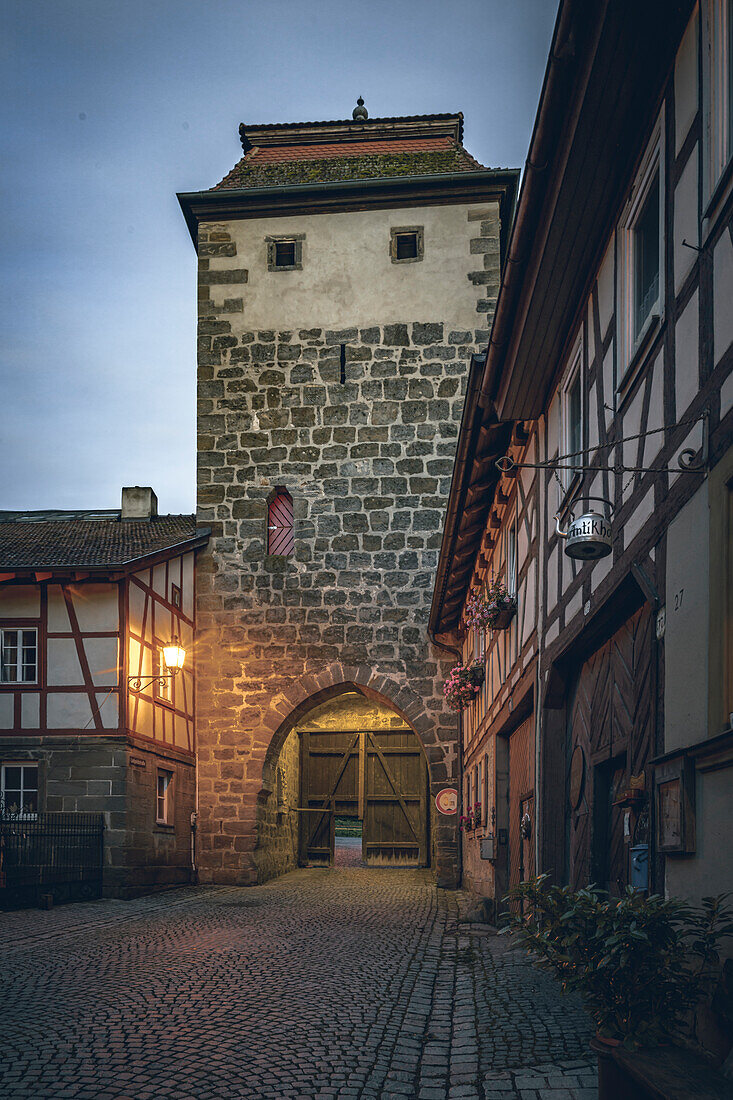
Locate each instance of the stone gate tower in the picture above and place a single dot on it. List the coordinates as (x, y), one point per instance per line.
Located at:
(347, 272)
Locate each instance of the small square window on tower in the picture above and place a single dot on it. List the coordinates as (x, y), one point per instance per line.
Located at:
(285, 253)
(406, 244)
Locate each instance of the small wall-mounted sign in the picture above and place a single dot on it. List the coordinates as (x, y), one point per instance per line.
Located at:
(137, 761)
(446, 801)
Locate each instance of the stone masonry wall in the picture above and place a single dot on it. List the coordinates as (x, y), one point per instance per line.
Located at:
(368, 463)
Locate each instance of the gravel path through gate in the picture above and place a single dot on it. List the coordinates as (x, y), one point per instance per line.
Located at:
(325, 983)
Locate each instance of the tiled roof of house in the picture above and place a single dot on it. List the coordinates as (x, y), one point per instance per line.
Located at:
(58, 540)
(331, 152)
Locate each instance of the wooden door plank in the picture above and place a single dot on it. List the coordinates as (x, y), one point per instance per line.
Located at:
(362, 774)
(329, 797)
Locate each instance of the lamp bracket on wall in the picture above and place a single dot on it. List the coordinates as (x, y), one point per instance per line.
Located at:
(687, 460)
(137, 683)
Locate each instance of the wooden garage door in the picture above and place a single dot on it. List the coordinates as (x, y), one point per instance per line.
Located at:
(379, 777)
(611, 719)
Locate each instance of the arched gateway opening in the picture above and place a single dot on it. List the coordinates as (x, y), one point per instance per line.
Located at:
(348, 751)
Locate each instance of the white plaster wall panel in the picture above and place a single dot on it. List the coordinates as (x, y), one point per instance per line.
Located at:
(30, 709)
(726, 395)
(529, 597)
(164, 623)
(686, 634)
(346, 259)
(20, 601)
(685, 84)
(552, 580)
(654, 443)
(590, 329)
(722, 296)
(552, 632)
(573, 606)
(606, 284)
(133, 656)
(63, 663)
(600, 571)
(136, 609)
(527, 475)
(7, 710)
(522, 543)
(102, 658)
(96, 606)
(181, 734)
(108, 704)
(631, 426)
(188, 585)
(685, 221)
(144, 723)
(68, 710)
(609, 386)
(58, 616)
(159, 580)
(174, 576)
(710, 871)
(687, 357)
(638, 518)
(592, 418)
(693, 442)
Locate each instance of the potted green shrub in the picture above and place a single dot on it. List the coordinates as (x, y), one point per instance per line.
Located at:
(641, 963)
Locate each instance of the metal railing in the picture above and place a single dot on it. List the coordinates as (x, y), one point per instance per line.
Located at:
(60, 854)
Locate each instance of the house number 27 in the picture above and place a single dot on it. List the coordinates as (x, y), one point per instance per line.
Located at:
(678, 599)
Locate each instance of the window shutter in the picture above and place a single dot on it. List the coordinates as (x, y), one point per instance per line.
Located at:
(280, 533)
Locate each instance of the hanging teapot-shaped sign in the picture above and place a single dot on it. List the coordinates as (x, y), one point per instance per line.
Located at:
(589, 536)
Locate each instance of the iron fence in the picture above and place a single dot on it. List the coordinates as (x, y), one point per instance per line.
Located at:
(60, 854)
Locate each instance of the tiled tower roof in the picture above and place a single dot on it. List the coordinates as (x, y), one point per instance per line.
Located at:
(351, 149)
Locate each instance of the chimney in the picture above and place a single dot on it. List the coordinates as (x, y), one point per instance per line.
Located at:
(139, 502)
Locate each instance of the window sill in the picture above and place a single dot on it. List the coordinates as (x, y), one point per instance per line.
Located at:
(165, 826)
(647, 337)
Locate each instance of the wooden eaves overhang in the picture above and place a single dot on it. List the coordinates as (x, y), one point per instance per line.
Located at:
(482, 440)
(607, 70)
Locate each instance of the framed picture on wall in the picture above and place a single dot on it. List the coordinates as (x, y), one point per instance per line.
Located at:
(674, 781)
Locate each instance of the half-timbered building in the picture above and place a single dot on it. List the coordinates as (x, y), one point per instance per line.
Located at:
(607, 388)
(91, 717)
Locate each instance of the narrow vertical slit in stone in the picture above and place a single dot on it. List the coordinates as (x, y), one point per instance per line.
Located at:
(343, 365)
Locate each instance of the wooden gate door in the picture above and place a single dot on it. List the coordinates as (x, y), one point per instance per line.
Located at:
(329, 785)
(377, 776)
(521, 802)
(611, 720)
(395, 800)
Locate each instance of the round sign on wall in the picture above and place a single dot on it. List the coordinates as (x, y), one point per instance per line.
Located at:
(446, 801)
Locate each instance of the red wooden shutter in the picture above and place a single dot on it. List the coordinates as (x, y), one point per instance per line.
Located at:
(280, 534)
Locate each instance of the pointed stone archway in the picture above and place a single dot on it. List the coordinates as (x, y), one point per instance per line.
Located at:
(309, 691)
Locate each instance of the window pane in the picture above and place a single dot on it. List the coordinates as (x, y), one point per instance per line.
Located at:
(30, 802)
(575, 442)
(285, 253)
(12, 779)
(30, 778)
(406, 246)
(646, 258)
(9, 656)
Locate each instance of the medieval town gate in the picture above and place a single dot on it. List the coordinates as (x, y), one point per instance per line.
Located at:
(377, 776)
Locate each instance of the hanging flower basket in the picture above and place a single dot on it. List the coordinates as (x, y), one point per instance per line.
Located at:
(463, 685)
(490, 610)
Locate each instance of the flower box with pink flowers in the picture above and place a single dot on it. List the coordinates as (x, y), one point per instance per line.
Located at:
(463, 685)
(493, 609)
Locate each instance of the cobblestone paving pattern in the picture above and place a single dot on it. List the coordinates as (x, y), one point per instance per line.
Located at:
(343, 983)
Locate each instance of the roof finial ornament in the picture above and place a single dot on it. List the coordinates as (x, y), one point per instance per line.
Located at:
(360, 111)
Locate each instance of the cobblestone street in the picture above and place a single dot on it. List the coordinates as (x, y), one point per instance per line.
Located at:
(342, 983)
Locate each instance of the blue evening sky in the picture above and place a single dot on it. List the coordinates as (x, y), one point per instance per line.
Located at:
(109, 107)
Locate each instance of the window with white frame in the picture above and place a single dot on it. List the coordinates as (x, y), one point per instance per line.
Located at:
(571, 443)
(641, 246)
(18, 655)
(19, 789)
(717, 29)
(164, 798)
